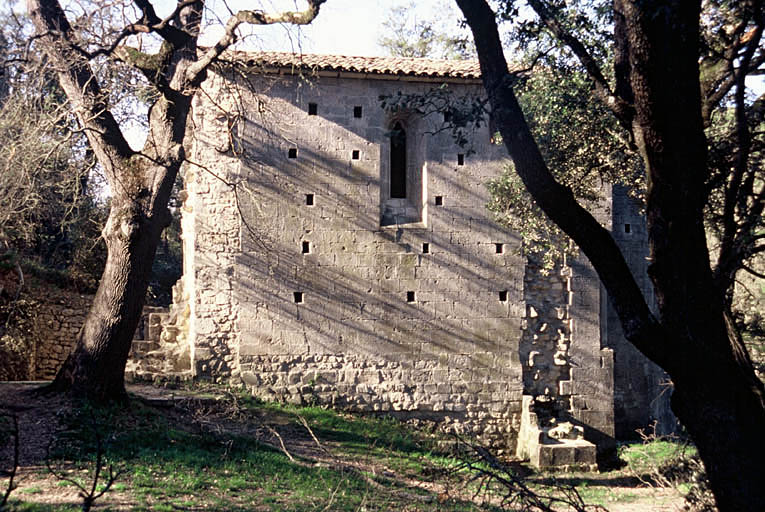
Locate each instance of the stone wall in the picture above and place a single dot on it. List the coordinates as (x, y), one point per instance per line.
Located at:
(211, 237)
(43, 330)
(642, 389)
(60, 316)
(565, 363)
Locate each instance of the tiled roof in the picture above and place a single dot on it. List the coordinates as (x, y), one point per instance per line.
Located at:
(400, 66)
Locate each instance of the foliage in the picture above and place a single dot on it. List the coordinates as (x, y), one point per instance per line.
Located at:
(54, 205)
(584, 149)
(407, 34)
(50, 215)
(670, 463)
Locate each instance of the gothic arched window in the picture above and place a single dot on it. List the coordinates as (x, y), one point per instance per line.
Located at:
(398, 162)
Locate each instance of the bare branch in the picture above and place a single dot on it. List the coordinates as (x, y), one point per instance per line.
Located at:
(80, 84)
(254, 18)
(752, 271)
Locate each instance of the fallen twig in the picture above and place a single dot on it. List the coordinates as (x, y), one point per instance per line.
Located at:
(512, 491)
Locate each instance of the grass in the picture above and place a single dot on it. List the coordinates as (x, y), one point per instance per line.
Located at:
(206, 455)
(603, 495)
(18, 506)
(167, 464)
(645, 458)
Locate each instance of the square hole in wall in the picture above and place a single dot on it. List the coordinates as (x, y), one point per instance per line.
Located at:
(355, 154)
(503, 295)
(425, 248)
(460, 159)
(627, 228)
(309, 199)
(298, 297)
(306, 247)
(292, 153)
(312, 109)
(447, 117)
(439, 200)
(357, 111)
(499, 248)
(410, 296)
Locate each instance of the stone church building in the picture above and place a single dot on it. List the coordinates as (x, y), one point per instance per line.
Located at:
(339, 252)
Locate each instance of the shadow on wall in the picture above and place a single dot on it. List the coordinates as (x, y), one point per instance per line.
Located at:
(439, 303)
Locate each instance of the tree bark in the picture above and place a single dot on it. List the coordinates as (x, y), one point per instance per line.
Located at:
(717, 394)
(96, 367)
(141, 184)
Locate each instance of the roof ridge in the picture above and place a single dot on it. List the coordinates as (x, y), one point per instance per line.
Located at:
(382, 65)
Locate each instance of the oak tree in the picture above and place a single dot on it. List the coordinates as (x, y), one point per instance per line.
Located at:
(141, 181)
(663, 89)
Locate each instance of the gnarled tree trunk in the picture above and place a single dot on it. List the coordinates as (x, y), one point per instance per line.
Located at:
(140, 183)
(96, 367)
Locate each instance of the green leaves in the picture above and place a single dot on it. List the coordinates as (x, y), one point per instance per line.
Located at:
(583, 147)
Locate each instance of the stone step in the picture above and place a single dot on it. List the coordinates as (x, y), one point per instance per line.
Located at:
(140, 348)
(155, 324)
(142, 331)
(138, 375)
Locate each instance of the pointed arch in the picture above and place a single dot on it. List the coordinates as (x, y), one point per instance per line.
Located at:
(398, 161)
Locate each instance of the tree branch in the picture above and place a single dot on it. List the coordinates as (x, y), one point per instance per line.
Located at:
(752, 271)
(556, 200)
(621, 107)
(80, 84)
(716, 87)
(150, 65)
(254, 18)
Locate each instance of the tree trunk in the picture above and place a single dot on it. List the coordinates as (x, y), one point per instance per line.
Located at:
(141, 184)
(717, 395)
(96, 367)
(723, 414)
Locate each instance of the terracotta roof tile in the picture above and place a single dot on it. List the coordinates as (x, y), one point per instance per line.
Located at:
(466, 69)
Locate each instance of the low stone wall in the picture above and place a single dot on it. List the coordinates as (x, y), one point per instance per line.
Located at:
(442, 391)
(42, 331)
(60, 316)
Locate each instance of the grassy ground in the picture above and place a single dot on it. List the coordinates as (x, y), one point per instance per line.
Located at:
(235, 453)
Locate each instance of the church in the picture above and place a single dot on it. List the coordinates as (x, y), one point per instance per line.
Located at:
(338, 251)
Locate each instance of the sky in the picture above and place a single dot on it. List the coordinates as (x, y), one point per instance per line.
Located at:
(343, 27)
